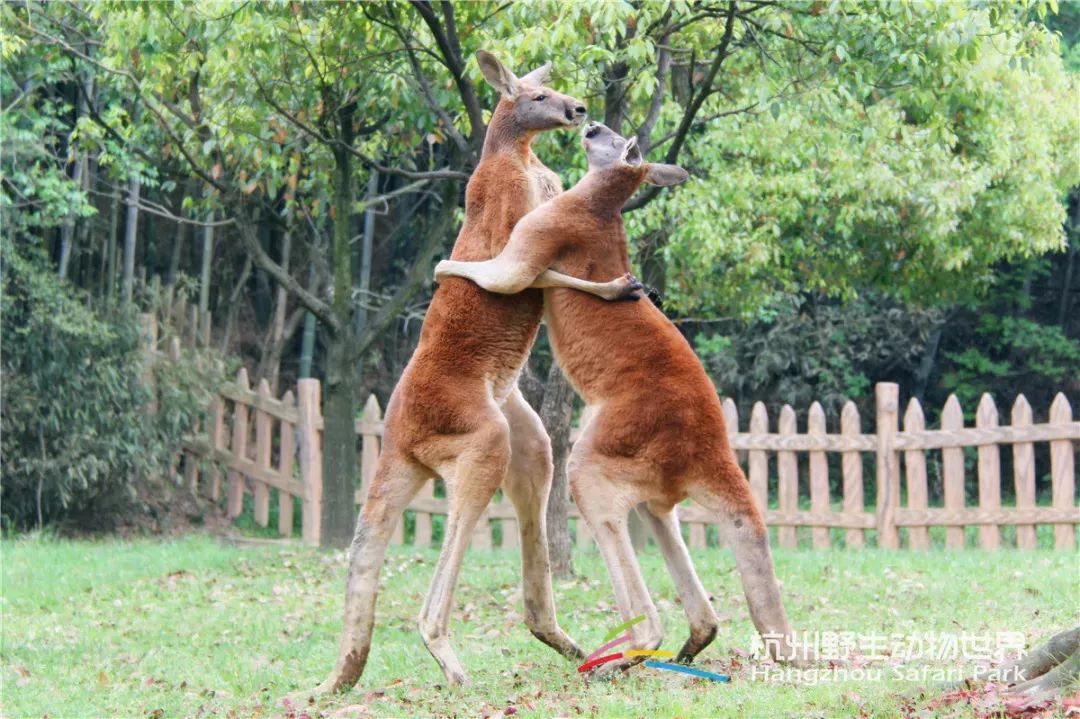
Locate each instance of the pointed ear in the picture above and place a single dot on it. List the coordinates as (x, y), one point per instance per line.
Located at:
(496, 74)
(539, 76)
(665, 175)
(631, 154)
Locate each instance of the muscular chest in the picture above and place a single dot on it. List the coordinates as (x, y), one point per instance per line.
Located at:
(543, 184)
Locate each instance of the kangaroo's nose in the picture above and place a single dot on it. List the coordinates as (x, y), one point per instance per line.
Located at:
(580, 109)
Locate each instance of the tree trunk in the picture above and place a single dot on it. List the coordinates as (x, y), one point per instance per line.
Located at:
(556, 412)
(271, 361)
(207, 259)
(1066, 281)
(130, 229)
(365, 252)
(264, 296)
(234, 301)
(339, 441)
(67, 231)
(307, 345)
(341, 388)
(177, 251)
(82, 237)
(926, 364)
(114, 229)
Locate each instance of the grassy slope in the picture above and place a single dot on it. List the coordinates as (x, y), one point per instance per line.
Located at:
(195, 628)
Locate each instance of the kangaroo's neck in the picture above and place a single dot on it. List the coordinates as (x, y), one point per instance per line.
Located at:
(506, 136)
(605, 192)
(508, 182)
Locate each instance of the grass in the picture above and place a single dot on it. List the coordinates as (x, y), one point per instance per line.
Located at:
(196, 628)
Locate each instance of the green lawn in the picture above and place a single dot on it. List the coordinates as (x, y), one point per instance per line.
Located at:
(196, 628)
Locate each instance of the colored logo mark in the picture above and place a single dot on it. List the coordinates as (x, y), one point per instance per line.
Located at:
(621, 635)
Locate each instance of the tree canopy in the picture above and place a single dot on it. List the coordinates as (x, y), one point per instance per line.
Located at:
(904, 157)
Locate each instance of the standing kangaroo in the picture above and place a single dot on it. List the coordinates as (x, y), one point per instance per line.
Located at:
(456, 411)
(657, 435)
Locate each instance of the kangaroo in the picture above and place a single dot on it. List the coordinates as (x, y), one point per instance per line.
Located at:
(657, 434)
(456, 412)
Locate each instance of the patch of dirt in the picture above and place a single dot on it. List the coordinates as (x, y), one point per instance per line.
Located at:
(160, 508)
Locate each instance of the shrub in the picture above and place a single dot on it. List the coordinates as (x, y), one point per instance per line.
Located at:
(78, 438)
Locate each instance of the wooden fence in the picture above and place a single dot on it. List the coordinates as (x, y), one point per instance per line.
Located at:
(266, 444)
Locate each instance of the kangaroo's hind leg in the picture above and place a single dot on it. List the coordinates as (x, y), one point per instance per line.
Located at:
(727, 495)
(527, 484)
(695, 600)
(475, 466)
(396, 481)
(605, 501)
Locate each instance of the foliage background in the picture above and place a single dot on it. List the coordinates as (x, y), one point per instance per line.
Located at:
(880, 191)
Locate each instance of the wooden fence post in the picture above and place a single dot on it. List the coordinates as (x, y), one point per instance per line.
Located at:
(286, 448)
(1062, 473)
(217, 443)
(1024, 473)
(819, 476)
(369, 444)
(851, 463)
(263, 446)
(986, 417)
(952, 469)
(915, 470)
(370, 447)
(238, 447)
(788, 481)
(757, 460)
(310, 458)
(887, 396)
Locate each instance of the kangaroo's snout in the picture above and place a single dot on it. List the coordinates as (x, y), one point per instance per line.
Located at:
(574, 112)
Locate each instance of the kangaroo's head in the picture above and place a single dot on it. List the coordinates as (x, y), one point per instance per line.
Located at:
(617, 163)
(527, 106)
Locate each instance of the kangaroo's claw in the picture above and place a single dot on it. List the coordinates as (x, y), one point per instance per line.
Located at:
(631, 288)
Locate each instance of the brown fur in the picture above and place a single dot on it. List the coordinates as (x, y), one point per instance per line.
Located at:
(657, 435)
(456, 411)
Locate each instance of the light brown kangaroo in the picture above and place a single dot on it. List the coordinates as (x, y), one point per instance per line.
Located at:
(456, 411)
(657, 434)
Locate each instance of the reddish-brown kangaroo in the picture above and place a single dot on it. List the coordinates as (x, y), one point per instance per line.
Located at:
(657, 434)
(456, 411)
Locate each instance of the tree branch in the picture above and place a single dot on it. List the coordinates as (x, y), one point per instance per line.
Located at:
(195, 167)
(443, 174)
(262, 260)
(663, 66)
(697, 99)
(450, 48)
(418, 276)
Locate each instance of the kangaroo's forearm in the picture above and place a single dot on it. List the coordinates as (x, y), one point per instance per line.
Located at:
(618, 288)
(500, 277)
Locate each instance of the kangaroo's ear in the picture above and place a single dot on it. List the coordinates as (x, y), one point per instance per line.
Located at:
(631, 154)
(665, 175)
(539, 76)
(496, 74)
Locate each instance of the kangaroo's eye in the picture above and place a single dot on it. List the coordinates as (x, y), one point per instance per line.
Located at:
(540, 98)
